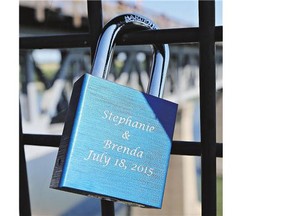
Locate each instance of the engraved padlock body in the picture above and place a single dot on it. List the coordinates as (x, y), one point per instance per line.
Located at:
(116, 140)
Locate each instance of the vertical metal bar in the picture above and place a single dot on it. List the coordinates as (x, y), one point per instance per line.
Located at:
(24, 199)
(208, 105)
(107, 208)
(95, 17)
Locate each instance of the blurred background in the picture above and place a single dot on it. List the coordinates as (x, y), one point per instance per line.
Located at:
(46, 79)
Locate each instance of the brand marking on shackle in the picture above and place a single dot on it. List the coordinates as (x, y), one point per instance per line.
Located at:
(133, 18)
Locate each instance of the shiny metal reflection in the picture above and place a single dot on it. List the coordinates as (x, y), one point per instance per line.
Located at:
(106, 44)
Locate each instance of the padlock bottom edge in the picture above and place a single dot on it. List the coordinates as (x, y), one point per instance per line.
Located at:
(104, 197)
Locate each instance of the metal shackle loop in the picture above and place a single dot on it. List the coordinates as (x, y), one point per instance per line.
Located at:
(106, 44)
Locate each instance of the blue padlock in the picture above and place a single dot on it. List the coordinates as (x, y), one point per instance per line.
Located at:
(116, 141)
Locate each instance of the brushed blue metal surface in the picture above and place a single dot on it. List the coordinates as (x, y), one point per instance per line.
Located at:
(120, 144)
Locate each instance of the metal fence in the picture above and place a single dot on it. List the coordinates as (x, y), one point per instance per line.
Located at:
(206, 35)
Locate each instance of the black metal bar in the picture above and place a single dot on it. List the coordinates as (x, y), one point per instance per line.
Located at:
(178, 147)
(208, 106)
(180, 35)
(177, 35)
(192, 148)
(218, 33)
(24, 198)
(55, 41)
(107, 208)
(95, 18)
(41, 140)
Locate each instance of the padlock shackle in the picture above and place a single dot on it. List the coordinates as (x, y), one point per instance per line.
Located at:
(107, 41)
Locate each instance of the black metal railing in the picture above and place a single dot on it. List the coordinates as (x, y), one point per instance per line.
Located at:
(206, 35)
